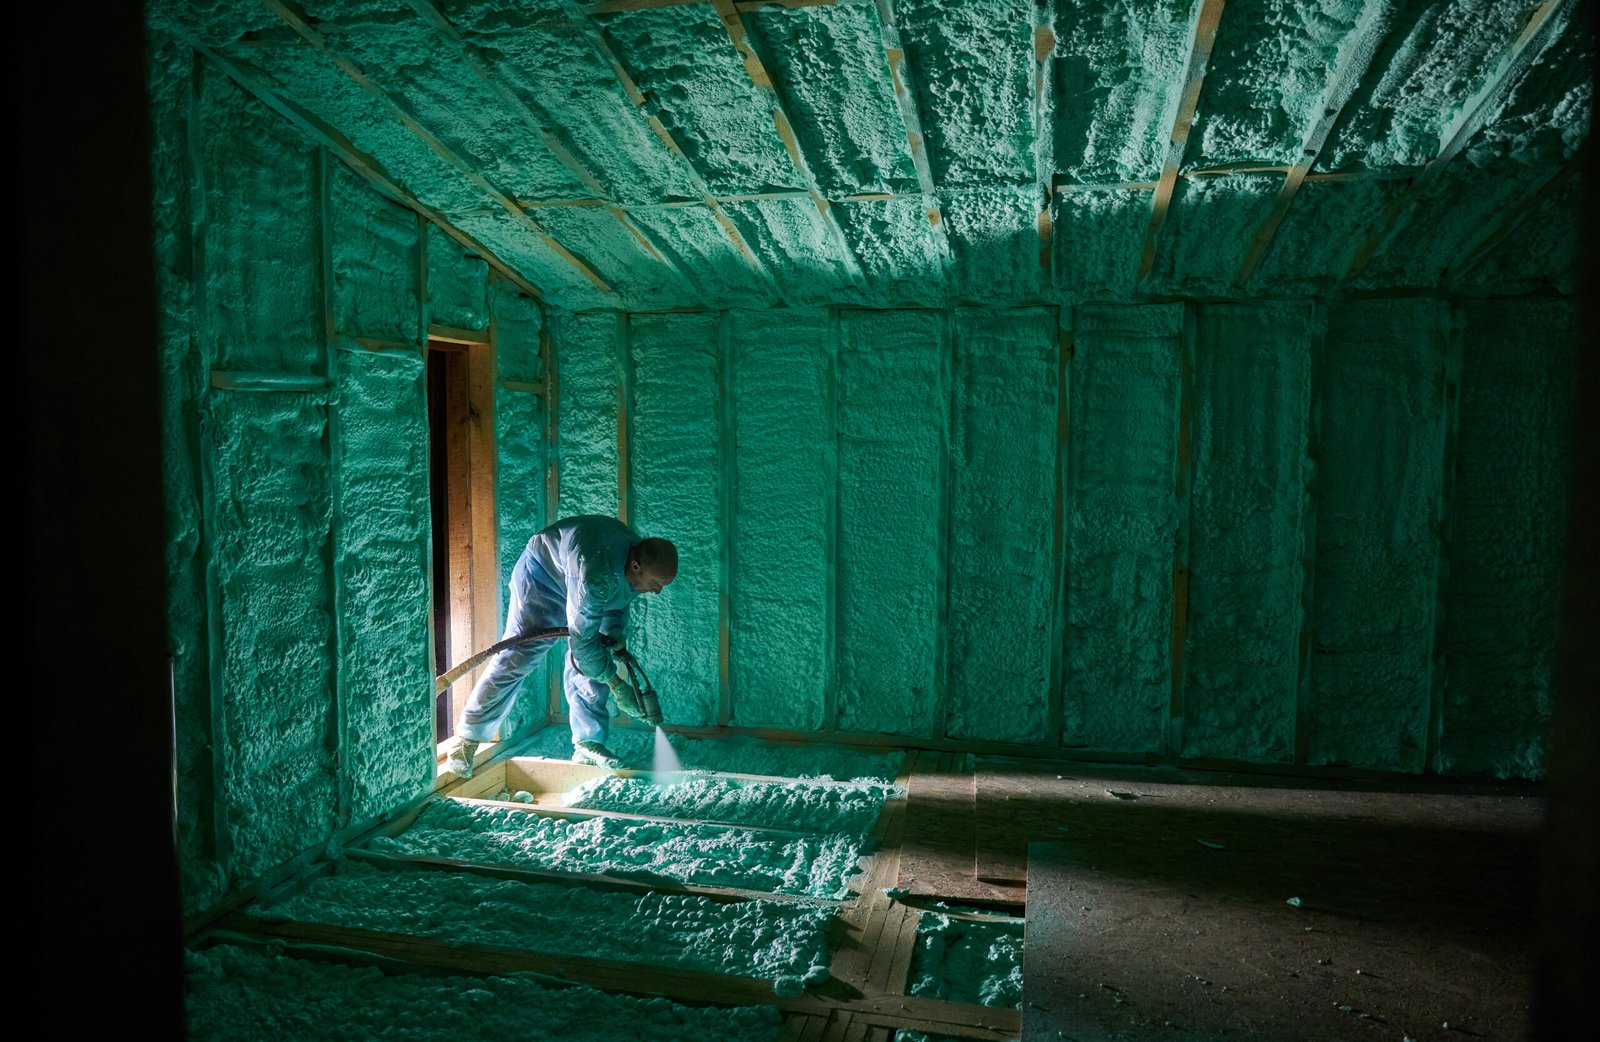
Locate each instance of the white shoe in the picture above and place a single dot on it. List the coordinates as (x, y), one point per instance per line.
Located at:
(595, 754)
(459, 755)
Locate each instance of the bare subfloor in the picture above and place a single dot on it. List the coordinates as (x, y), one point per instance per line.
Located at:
(1165, 904)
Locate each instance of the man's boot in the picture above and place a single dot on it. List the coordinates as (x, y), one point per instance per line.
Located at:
(459, 755)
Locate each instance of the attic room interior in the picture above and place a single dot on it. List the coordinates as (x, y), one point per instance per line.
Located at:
(1130, 475)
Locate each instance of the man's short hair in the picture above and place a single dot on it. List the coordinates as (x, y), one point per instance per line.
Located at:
(659, 557)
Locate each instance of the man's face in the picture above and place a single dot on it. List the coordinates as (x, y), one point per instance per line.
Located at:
(645, 580)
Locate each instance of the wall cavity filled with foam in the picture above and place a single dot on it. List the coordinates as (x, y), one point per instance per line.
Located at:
(295, 305)
(1219, 532)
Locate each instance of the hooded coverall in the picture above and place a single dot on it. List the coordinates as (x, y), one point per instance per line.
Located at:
(571, 574)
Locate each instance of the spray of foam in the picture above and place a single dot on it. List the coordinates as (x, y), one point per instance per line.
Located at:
(665, 768)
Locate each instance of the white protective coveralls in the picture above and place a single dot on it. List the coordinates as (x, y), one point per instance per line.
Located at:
(571, 574)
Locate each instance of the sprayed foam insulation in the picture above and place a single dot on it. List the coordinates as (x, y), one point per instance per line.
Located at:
(794, 246)
(521, 446)
(973, 70)
(1002, 524)
(964, 960)
(242, 994)
(737, 754)
(382, 563)
(849, 807)
(831, 70)
(562, 76)
(1506, 534)
(1119, 71)
(684, 61)
(590, 374)
(1273, 63)
(376, 291)
(1246, 537)
(903, 256)
(693, 239)
(1098, 240)
(1208, 232)
(458, 284)
(1541, 253)
(781, 513)
(1433, 58)
(1121, 524)
(996, 244)
(674, 468)
(747, 938)
(703, 855)
(518, 332)
(277, 672)
(613, 250)
(893, 417)
(259, 234)
(1380, 487)
(170, 68)
(1321, 233)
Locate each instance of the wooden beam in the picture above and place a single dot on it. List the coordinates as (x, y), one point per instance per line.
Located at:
(1359, 50)
(369, 168)
(539, 123)
(312, 37)
(598, 41)
(1044, 142)
(1512, 219)
(744, 6)
(1483, 104)
(905, 96)
(1205, 34)
(756, 69)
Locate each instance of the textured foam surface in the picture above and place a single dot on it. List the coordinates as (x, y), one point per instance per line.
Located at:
(812, 866)
(962, 960)
(237, 993)
(746, 938)
(1246, 544)
(738, 755)
(590, 376)
(812, 806)
(457, 284)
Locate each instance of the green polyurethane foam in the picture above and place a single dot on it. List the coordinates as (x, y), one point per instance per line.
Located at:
(238, 994)
(849, 807)
(961, 960)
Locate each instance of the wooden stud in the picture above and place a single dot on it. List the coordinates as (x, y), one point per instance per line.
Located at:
(1205, 34)
(1183, 474)
(1056, 712)
(363, 164)
(1450, 392)
(315, 39)
(1310, 500)
(550, 348)
(1044, 45)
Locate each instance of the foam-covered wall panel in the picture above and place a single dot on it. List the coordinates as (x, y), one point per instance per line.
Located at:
(674, 469)
(375, 251)
(1002, 524)
(1507, 531)
(1380, 483)
(1252, 393)
(458, 284)
(893, 409)
(782, 517)
(589, 381)
(1121, 525)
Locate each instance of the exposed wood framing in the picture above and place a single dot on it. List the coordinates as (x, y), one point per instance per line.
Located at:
(1056, 709)
(1450, 395)
(1474, 115)
(1183, 484)
(1359, 51)
(642, 103)
(539, 123)
(568, 814)
(1310, 501)
(744, 6)
(1205, 34)
(905, 95)
(1044, 140)
(1512, 219)
(453, 335)
(445, 152)
(369, 168)
(756, 69)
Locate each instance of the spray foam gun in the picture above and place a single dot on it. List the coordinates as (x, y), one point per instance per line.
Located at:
(647, 707)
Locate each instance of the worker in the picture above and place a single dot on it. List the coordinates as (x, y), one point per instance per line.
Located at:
(580, 573)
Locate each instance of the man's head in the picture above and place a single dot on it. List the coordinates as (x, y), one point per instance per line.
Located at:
(651, 565)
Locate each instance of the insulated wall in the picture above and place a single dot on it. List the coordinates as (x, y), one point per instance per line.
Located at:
(294, 320)
(1226, 532)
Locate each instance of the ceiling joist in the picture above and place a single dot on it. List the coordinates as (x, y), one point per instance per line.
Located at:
(351, 69)
(905, 96)
(756, 69)
(369, 168)
(742, 6)
(1481, 107)
(1205, 35)
(1044, 142)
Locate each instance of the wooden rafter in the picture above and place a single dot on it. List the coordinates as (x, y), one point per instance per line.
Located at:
(1044, 48)
(598, 41)
(369, 168)
(756, 69)
(311, 36)
(1512, 218)
(1353, 65)
(1205, 34)
(905, 96)
(1474, 115)
(539, 124)
(743, 6)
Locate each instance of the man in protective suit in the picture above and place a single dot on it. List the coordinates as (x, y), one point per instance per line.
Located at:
(581, 573)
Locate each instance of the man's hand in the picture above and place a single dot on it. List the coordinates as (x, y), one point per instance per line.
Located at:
(627, 697)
